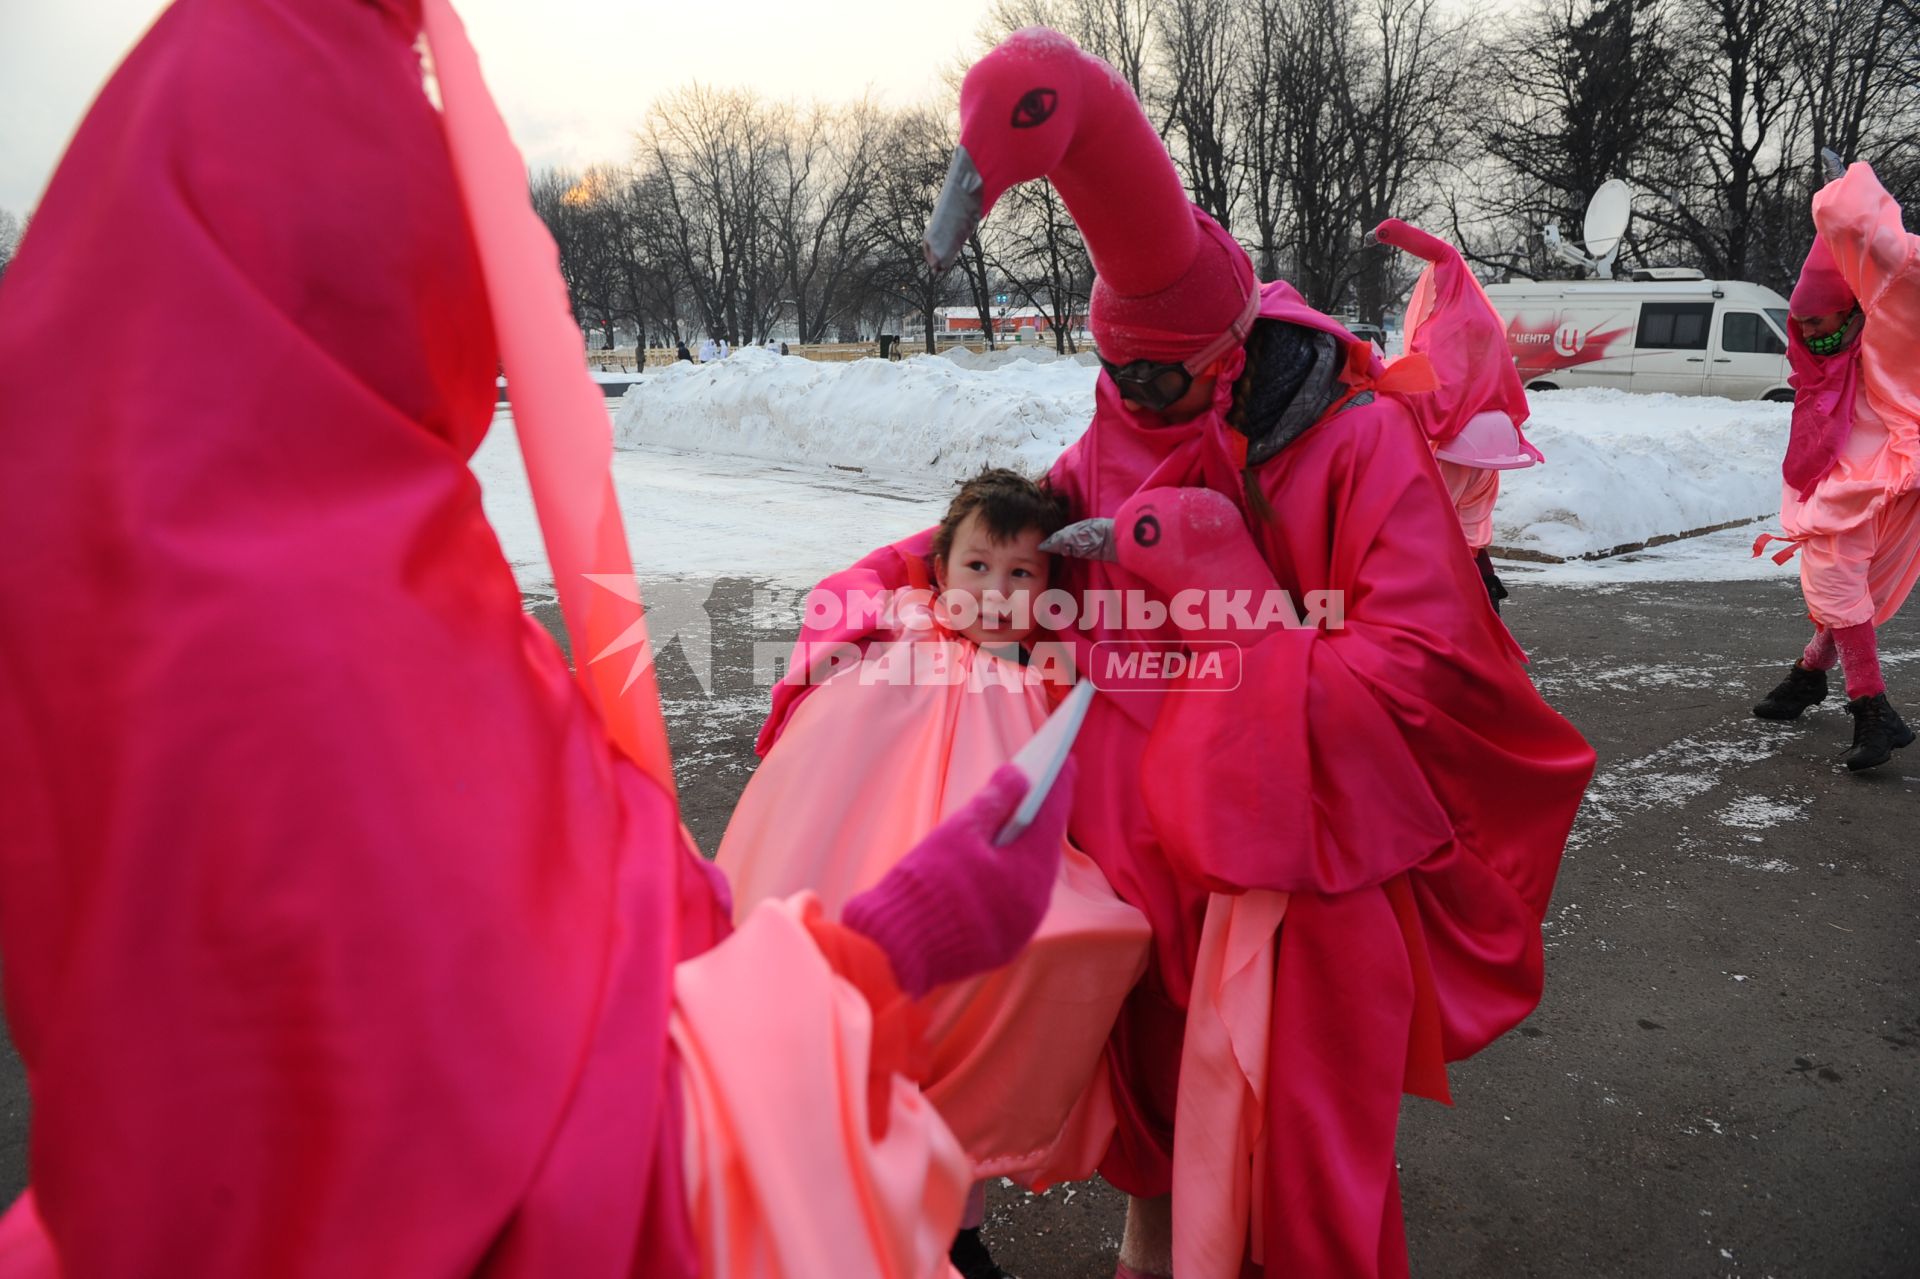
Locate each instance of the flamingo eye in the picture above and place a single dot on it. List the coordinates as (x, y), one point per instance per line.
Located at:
(1034, 108)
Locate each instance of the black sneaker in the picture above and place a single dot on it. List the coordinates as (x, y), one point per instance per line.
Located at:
(1800, 689)
(970, 1257)
(1878, 731)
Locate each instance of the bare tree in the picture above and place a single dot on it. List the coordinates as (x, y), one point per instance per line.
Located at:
(11, 231)
(1403, 81)
(818, 220)
(1042, 259)
(581, 213)
(1299, 140)
(713, 150)
(912, 165)
(1737, 102)
(1202, 44)
(1583, 91)
(976, 272)
(1256, 98)
(1849, 66)
(659, 278)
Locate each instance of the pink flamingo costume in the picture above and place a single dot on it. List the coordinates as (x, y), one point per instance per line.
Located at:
(1848, 493)
(1849, 501)
(1394, 790)
(1446, 323)
(1849, 496)
(346, 932)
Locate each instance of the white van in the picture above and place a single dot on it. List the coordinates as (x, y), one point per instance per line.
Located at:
(1664, 330)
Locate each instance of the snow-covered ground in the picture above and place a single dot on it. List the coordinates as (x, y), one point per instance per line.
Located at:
(936, 417)
(1726, 556)
(701, 516)
(1622, 469)
(785, 469)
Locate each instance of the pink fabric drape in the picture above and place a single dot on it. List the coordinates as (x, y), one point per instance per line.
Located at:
(559, 413)
(337, 935)
(864, 770)
(1451, 322)
(1474, 492)
(776, 1047)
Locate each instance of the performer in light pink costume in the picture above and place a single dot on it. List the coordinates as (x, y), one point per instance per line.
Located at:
(1395, 789)
(1848, 502)
(1447, 324)
(346, 932)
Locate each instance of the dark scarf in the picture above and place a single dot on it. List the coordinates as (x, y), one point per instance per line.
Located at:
(1291, 379)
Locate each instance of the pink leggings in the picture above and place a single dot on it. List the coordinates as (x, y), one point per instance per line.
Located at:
(1857, 649)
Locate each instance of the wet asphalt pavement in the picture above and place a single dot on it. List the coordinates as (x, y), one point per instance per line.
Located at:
(1724, 1075)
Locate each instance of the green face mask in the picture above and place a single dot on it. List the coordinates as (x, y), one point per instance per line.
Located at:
(1832, 342)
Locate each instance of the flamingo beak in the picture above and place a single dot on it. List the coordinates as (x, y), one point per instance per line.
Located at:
(955, 214)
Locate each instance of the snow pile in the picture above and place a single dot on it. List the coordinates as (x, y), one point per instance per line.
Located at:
(999, 358)
(703, 516)
(928, 416)
(1623, 469)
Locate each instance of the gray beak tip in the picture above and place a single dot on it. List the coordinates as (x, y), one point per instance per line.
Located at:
(955, 213)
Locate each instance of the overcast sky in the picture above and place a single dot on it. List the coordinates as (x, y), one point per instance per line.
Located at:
(573, 77)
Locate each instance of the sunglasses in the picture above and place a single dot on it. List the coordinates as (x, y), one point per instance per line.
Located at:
(1158, 385)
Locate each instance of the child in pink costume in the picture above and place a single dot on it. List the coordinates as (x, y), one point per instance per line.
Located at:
(1394, 787)
(871, 759)
(345, 931)
(1849, 502)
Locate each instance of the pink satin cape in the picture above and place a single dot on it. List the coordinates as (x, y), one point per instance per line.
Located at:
(337, 933)
(773, 1039)
(1400, 778)
(866, 767)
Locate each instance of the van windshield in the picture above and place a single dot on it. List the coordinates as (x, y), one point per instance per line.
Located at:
(1778, 317)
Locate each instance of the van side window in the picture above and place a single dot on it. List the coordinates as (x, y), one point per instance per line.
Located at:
(1674, 326)
(1745, 333)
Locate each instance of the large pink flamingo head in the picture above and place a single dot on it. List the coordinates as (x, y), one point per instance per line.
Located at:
(1170, 281)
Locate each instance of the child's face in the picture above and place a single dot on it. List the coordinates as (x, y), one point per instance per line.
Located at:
(1004, 578)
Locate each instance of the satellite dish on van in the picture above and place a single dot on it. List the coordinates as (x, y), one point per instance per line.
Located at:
(1607, 216)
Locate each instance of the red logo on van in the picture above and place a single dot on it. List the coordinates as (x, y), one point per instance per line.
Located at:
(1554, 346)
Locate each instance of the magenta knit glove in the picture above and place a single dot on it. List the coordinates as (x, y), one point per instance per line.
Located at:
(956, 905)
(1194, 542)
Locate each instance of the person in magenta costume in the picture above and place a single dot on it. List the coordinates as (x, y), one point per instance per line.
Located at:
(1397, 780)
(1850, 491)
(343, 935)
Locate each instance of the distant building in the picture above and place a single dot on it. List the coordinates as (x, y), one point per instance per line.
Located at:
(1009, 322)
